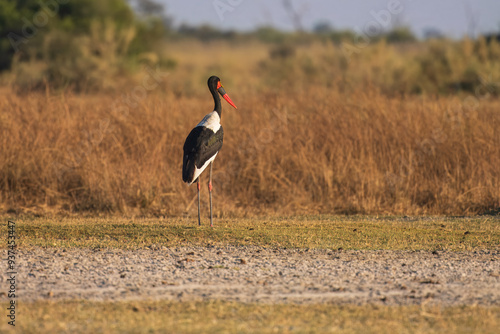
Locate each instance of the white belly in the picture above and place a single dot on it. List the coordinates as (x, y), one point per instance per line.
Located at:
(198, 171)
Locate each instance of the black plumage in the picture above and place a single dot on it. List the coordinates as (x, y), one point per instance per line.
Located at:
(201, 144)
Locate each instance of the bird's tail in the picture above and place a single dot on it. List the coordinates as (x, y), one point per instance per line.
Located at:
(188, 168)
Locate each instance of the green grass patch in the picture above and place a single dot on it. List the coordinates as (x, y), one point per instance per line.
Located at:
(233, 317)
(326, 232)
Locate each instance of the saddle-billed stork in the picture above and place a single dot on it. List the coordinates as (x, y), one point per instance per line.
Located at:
(204, 142)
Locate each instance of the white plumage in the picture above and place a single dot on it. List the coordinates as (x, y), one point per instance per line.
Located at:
(211, 121)
(198, 171)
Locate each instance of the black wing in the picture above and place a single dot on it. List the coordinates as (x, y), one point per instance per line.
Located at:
(201, 144)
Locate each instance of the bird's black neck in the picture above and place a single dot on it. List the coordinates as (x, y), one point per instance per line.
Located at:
(217, 104)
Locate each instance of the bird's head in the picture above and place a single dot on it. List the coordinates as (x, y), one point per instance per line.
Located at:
(215, 85)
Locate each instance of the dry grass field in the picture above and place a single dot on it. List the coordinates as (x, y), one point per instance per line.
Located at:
(391, 129)
(357, 191)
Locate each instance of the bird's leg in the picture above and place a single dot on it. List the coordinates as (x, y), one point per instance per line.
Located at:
(198, 185)
(210, 192)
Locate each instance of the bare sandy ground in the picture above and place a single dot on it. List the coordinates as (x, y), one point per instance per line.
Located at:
(255, 274)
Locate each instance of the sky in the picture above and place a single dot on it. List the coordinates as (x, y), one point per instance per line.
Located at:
(454, 18)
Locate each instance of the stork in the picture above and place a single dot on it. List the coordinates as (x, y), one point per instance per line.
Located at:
(204, 142)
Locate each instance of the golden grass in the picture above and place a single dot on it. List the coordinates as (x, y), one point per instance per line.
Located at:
(313, 134)
(325, 232)
(233, 317)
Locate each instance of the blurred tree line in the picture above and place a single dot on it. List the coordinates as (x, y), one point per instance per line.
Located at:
(322, 31)
(89, 44)
(81, 44)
